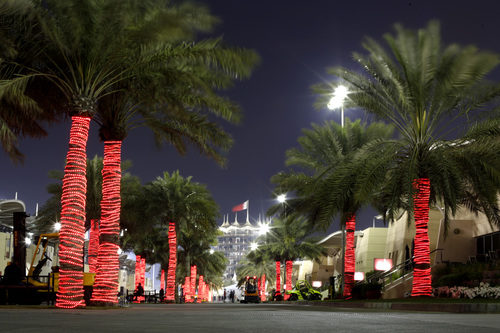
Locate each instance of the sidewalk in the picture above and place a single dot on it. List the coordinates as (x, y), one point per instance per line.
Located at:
(408, 306)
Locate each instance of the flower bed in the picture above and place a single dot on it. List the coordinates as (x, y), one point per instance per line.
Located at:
(484, 290)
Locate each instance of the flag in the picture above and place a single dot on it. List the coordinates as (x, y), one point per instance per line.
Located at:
(243, 206)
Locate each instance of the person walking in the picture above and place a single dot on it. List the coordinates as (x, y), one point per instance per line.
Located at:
(224, 297)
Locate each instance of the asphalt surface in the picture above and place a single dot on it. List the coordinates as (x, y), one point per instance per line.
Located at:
(239, 318)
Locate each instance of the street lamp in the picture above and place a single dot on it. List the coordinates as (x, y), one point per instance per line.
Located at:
(253, 246)
(263, 228)
(337, 101)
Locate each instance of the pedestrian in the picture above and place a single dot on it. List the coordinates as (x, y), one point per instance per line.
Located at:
(224, 297)
(231, 296)
(162, 295)
(139, 292)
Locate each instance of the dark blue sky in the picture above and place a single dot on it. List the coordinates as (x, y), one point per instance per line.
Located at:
(297, 40)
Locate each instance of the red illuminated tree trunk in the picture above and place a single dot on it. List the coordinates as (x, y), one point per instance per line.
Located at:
(138, 261)
(288, 269)
(278, 278)
(162, 280)
(93, 245)
(263, 288)
(422, 269)
(106, 282)
(187, 289)
(172, 262)
(350, 256)
(72, 233)
(193, 282)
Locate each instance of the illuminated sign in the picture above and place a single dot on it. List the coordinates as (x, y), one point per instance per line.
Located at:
(382, 264)
(316, 284)
(359, 276)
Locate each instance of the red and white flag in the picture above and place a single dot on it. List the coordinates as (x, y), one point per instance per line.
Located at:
(240, 207)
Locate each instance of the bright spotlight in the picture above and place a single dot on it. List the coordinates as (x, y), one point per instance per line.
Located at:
(27, 241)
(253, 246)
(337, 100)
(120, 251)
(263, 228)
(211, 251)
(57, 226)
(281, 198)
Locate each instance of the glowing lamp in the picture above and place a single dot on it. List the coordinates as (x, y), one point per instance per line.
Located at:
(253, 246)
(27, 241)
(359, 276)
(57, 226)
(317, 284)
(382, 264)
(281, 198)
(263, 228)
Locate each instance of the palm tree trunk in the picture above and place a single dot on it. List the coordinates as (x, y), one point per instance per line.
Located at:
(350, 256)
(278, 278)
(172, 262)
(106, 282)
(193, 282)
(263, 288)
(71, 235)
(289, 268)
(162, 280)
(186, 289)
(137, 274)
(93, 245)
(422, 270)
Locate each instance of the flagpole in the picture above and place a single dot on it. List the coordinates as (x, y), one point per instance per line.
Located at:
(248, 208)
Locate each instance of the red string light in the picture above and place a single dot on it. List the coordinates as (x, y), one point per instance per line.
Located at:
(349, 259)
(187, 289)
(162, 280)
(93, 245)
(172, 262)
(193, 282)
(106, 282)
(263, 288)
(422, 282)
(72, 233)
(289, 268)
(278, 278)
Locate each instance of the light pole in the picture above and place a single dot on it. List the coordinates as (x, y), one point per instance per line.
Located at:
(337, 101)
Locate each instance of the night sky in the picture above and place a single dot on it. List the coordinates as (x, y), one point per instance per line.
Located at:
(297, 41)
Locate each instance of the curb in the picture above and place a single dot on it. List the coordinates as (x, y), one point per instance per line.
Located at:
(429, 307)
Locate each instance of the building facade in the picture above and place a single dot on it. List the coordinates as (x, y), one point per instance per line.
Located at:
(235, 243)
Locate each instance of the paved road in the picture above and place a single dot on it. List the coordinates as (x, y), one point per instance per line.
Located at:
(239, 318)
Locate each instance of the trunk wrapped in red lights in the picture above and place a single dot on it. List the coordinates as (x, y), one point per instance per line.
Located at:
(106, 281)
(201, 289)
(263, 288)
(187, 289)
(349, 260)
(422, 268)
(93, 245)
(288, 269)
(162, 280)
(72, 233)
(193, 282)
(172, 262)
(278, 278)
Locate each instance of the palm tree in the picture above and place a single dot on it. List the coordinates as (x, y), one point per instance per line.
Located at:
(187, 77)
(323, 153)
(19, 115)
(432, 94)
(287, 241)
(180, 204)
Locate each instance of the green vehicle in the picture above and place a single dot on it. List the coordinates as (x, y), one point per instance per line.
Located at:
(303, 291)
